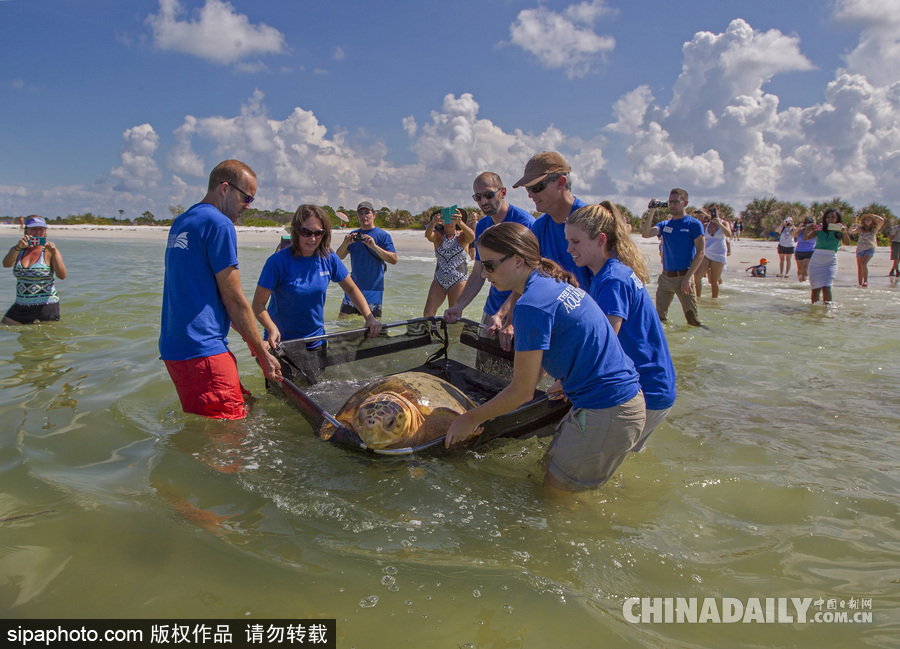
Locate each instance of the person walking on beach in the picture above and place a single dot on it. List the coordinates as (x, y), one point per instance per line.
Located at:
(785, 246)
(490, 195)
(867, 226)
(202, 298)
(895, 250)
(829, 235)
(36, 264)
(560, 330)
(371, 250)
(715, 253)
(683, 252)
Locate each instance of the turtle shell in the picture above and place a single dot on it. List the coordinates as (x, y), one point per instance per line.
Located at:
(401, 410)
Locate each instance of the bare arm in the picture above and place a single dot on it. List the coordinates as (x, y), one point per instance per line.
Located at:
(56, 261)
(616, 322)
(10, 259)
(260, 300)
(473, 287)
(700, 245)
(238, 308)
(526, 373)
(359, 301)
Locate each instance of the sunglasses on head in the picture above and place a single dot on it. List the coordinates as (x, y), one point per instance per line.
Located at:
(488, 195)
(537, 188)
(247, 197)
(306, 233)
(491, 265)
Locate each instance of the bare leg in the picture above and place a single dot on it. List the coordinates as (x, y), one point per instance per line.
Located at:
(865, 269)
(715, 274)
(454, 292)
(826, 294)
(814, 296)
(436, 295)
(9, 321)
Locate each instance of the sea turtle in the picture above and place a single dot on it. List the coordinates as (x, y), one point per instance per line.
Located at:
(401, 410)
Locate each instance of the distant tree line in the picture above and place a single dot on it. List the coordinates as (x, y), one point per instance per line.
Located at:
(760, 217)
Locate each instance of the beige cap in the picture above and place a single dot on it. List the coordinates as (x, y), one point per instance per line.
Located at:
(542, 165)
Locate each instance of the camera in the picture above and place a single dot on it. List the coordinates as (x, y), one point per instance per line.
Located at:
(714, 212)
(37, 241)
(835, 227)
(659, 204)
(354, 236)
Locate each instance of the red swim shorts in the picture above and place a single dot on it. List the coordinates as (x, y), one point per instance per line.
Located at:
(209, 386)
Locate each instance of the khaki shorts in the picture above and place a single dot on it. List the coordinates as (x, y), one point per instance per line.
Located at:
(589, 445)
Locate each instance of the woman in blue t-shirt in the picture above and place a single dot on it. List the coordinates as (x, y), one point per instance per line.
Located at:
(297, 278)
(598, 239)
(560, 329)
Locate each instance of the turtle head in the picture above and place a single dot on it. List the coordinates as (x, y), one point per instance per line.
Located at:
(386, 419)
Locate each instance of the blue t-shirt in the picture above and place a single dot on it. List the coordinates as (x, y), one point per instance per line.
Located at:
(678, 237)
(580, 346)
(367, 268)
(620, 293)
(514, 214)
(202, 242)
(298, 285)
(552, 239)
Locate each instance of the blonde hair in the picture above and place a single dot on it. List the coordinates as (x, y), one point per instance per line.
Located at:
(862, 222)
(605, 218)
(510, 238)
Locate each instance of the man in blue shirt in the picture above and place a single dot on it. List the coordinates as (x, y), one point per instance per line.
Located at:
(371, 250)
(202, 298)
(683, 247)
(490, 195)
(546, 179)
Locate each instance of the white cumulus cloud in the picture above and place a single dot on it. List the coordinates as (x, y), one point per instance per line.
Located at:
(564, 40)
(138, 170)
(218, 33)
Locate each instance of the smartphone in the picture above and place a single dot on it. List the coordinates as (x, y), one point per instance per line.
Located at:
(835, 227)
(37, 241)
(447, 214)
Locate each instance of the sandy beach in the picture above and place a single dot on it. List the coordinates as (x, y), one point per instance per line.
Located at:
(745, 253)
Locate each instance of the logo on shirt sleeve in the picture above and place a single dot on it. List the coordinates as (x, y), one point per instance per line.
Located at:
(180, 241)
(571, 298)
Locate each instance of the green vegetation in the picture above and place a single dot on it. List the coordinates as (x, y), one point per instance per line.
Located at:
(760, 217)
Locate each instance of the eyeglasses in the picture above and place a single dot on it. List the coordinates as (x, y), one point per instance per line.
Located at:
(537, 188)
(487, 195)
(490, 266)
(306, 233)
(247, 197)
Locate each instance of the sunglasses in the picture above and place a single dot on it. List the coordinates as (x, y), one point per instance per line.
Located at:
(306, 233)
(247, 197)
(490, 265)
(363, 211)
(488, 195)
(537, 188)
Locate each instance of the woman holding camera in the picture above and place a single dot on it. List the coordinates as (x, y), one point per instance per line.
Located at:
(36, 263)
(297, 279)
(450, 242)
(785, 246)
(829, 235)
(716, 233)
(868, 226)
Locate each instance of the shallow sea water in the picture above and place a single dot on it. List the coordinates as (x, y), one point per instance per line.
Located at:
(776, 475)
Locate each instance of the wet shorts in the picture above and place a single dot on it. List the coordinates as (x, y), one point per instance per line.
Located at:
(589, 445)
(348, 308)
(209, 386)
(803, 254)
(29, 313)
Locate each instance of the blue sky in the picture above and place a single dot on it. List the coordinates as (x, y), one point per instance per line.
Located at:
(111, 105)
